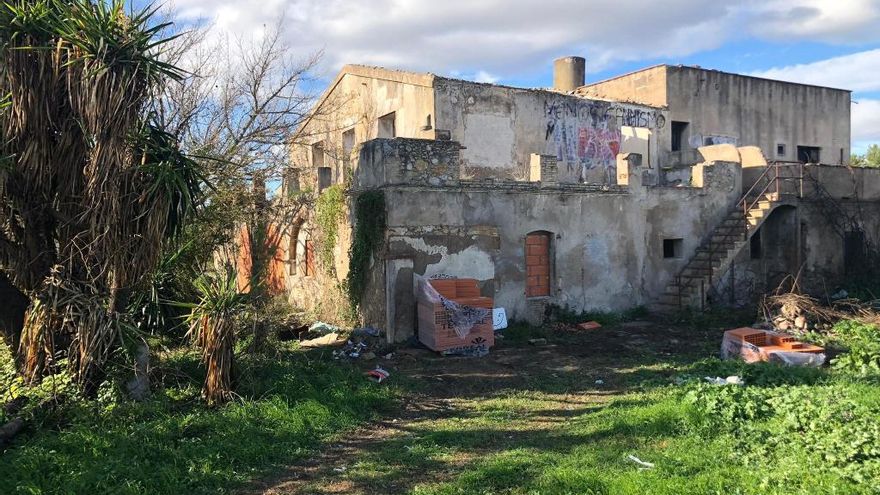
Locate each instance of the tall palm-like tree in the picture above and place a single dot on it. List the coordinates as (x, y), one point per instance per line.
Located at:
(89, 186)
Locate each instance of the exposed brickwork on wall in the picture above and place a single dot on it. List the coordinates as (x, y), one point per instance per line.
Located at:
(538, 265)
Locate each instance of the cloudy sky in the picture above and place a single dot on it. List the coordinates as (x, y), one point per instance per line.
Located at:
(826, 42)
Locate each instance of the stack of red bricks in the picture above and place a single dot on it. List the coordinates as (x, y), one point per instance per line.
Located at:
(434, 328)
(538, 265)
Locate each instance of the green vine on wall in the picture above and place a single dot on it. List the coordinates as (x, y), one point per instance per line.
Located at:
(367, 237)
(329, 209)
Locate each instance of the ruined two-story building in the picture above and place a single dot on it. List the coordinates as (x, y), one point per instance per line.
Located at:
(649, 189)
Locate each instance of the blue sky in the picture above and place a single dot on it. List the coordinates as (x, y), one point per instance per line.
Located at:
(826, 42)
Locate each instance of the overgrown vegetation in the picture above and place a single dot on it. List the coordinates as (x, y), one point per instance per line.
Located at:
(369, 231)
(329, 211)
(171, 444)
(94, 185)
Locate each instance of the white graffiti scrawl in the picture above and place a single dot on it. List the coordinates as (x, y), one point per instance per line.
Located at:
(586, 134)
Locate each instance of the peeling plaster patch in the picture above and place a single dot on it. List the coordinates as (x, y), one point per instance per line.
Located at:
(472, 262)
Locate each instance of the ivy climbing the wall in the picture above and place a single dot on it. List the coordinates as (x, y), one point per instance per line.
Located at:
(329, 209)
(369, 231)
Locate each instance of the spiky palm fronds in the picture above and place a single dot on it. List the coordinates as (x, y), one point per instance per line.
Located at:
(92, 188)
(212, 328)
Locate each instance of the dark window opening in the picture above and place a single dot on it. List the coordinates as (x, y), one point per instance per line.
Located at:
(672, 248)
(854, 252)
(755, 245)
(679, 135)
(538, 264)
(387, 128)
(780, 150)
(325, 178)
(808, 154)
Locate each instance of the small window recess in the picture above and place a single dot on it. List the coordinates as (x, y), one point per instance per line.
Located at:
(318, 154)
(387, 126)
(427, 126)
(673, 248)
(780, 150)
(679, 135)
(325, 178)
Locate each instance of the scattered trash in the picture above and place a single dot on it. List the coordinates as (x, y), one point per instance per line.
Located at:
(600, 382)
(589, 325)
(478, 350)
(368, 356)
(329, 339)
(365, 332)
(340, 469)
(537, 341)
(289, 334)
(352, 350)
(388, 356)
(753, 345)
(730, 380)
(499, 319)
(323, 328)
(841, 294)
(643, 464)
(378, 375)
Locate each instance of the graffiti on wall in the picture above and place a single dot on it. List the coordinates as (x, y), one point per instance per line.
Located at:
(585, 135)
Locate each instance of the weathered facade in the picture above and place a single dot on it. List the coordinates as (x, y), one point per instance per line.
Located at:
(476, 176)
(787, 121)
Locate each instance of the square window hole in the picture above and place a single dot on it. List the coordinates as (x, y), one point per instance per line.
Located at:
(672, 248)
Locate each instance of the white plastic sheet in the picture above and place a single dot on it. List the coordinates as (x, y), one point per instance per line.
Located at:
(460, 317)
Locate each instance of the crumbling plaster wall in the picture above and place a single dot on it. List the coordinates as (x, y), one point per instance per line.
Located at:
(500, 127)
(606, 249)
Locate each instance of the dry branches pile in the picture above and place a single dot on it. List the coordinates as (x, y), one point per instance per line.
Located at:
(792, 310)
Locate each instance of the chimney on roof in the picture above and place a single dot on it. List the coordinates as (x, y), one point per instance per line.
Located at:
(568, 73)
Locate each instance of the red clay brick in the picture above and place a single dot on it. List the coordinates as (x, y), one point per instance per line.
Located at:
(537, 250)
(539, 270)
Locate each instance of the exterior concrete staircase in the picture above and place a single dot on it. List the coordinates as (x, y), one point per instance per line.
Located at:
(689, 289)
(714, 256)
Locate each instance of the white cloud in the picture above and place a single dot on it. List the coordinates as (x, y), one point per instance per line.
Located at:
(865, 123)
(858, 72)
(835, 21)
(506, 38)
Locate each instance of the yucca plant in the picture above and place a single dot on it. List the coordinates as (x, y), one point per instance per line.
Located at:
(212, 328)
(92, 189)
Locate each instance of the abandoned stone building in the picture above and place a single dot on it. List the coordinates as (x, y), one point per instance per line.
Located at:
(668, 187)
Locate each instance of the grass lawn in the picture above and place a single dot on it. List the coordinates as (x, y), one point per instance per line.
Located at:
(558, 418)
(173, 444)
(564, 417)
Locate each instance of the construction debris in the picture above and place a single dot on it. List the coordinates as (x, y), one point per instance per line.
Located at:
(753, 345)
(329, 339)
(589, 325)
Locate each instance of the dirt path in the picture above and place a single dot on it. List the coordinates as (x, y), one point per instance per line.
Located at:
(575, 373)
